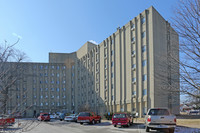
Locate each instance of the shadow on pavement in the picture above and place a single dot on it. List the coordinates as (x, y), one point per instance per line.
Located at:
(98, 124)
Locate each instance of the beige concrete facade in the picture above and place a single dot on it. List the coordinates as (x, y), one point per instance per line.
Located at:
(119, 74)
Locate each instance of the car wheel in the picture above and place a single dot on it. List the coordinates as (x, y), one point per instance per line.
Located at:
(115, 125)
(81, 123)
(99, 120)
(171, 130)
(147, 129)
(128, 125)
(93, 122)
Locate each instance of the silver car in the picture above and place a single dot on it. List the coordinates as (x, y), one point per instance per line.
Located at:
(71, 117)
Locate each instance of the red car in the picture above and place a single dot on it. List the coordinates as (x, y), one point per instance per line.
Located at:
(6, 120)
(44, 117)
(88, 117)
(122, 119)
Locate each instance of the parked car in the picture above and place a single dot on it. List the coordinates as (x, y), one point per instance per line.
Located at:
(62, 116)
(88, 117)
(6, 120)
(44, 117)
(194, 112)
(160, 119)
(71, 117)
(122, 119)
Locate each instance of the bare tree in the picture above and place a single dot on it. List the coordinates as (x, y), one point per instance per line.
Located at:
(187, 24)
(11, 70)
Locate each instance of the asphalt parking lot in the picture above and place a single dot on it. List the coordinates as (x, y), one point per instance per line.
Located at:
(56, 126)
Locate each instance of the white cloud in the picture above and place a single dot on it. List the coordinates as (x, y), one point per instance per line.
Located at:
(15, 34)
(92, 41)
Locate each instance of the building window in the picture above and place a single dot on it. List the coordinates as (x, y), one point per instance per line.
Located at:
(52, 82)
(46, 74)
(41, 104)
(144, 63)
(112, 64)
(133, 40)
(46, 67)
(133, 53)
(52, 74)
(40, 82)
(64, 67)
(41, 89)
(143, 20)
(73, 67)
(63, 81)
(143, 48)
(46, 96)
(57, 89)
(46, 103)
(112, 98)
(35, 96)
(52, 96)
(57, 82)
(58, 97)
(64, 96)
(58, 75)
(34, 67)
(64, 103)
(112, 52)
(112, 75)
(105, 44)
(52, 103)
(132, 26)
(144, 92)
(58, 67)
(112, 41)
(41, 96)
(134, 93)
(41, 67)
(144, 77)
(133, 80)
(64, 89)
(52, 67)
(143, 34)
(133, 66)
(58, 104)
(52, 89)
(105, 66)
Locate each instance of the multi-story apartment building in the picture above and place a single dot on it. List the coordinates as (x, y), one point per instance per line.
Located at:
(131, 70)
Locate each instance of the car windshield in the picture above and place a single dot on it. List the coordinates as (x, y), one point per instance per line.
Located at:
(84, 114)
(45, 114)
(158, 112)
(119, 116)
(71, 115)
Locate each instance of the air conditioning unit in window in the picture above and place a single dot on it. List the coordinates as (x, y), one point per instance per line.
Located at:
(134, 68)
(134, 82)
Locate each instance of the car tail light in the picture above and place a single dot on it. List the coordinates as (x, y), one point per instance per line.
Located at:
(149, 119)
(174, 119)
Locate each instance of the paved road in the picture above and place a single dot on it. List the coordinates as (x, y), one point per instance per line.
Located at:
(56, 126)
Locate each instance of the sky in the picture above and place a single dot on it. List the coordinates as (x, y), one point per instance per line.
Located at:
(63, 26)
